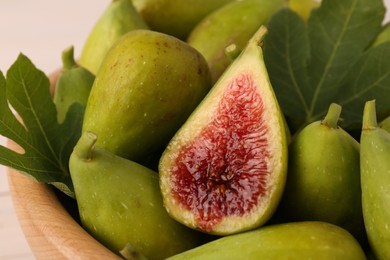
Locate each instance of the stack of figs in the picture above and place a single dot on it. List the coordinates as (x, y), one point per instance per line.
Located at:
(185, 152)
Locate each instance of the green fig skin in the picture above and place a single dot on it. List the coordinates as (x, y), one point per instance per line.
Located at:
(383, 36)
(299, 240)
(323, 179)
(303, 7)
(234, 23)
(375, 178)
(120, 203)
(176, 17)
(73, 85)
(147, 86)
(224, 187)
(119, 18)
(385, 124)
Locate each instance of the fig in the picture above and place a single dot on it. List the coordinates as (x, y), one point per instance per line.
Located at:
(375, 178)
(120, 204)
(119, 18)
(234, 23)
(304, 7)
(175, 17)
(224, 170)
(385, 124)
(299, 240)
(147, 86)
(73, 85)
(323, 179)
(383, 36)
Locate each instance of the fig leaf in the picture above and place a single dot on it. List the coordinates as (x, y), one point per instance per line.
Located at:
(309, 63)
(47, 145)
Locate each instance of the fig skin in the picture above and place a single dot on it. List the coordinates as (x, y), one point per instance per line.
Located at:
(375, 179)
(234, 23)
(383, 36)
(385, 124)
(249, 65)
(147, 86)
(73, 85)
(296, 240)
(120, 204)
(119, 18)
(323, 179)
(176, 17)
(304, 7)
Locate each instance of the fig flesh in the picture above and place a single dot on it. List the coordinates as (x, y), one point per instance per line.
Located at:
(147, 86)
(224, 170)
(299, 240)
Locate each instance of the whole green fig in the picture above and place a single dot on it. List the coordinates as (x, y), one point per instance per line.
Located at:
(120, 204)
(73, 85)
(119, 18)
(375, 177)
(299, 240)
(176, 17)
(323, 179)
(146, 88)
(234, 23)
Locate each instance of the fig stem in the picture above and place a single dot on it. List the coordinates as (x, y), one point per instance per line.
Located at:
(332, 117)
(84, 147)
(68, 61)
(232, 51)
(369, 115)
(259, 36)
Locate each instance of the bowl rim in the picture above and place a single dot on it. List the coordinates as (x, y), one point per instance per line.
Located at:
(50, 231)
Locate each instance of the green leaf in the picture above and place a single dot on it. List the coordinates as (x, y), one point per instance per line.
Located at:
(286, 53)
(47, 145)
(368, 79)
(308, 63)
(339, 32)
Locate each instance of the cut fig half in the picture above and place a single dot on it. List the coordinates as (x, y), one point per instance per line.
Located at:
(225, 169)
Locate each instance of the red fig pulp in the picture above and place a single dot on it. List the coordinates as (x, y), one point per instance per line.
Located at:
(224, 170)
(224, 166)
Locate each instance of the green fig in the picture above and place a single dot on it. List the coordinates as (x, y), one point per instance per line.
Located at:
(299, 240)
(323, 180)
(234, 23)
(224, 170)
(176, 17)
(303, 7)
(120, 204)
(375, 178)
(73, 85)
(383, 36)
(147, 86)
(119, 18)
(385, 124)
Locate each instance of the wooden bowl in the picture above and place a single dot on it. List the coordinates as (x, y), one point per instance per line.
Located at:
(49, 220)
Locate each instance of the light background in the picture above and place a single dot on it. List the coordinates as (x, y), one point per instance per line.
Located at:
(40, 29)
